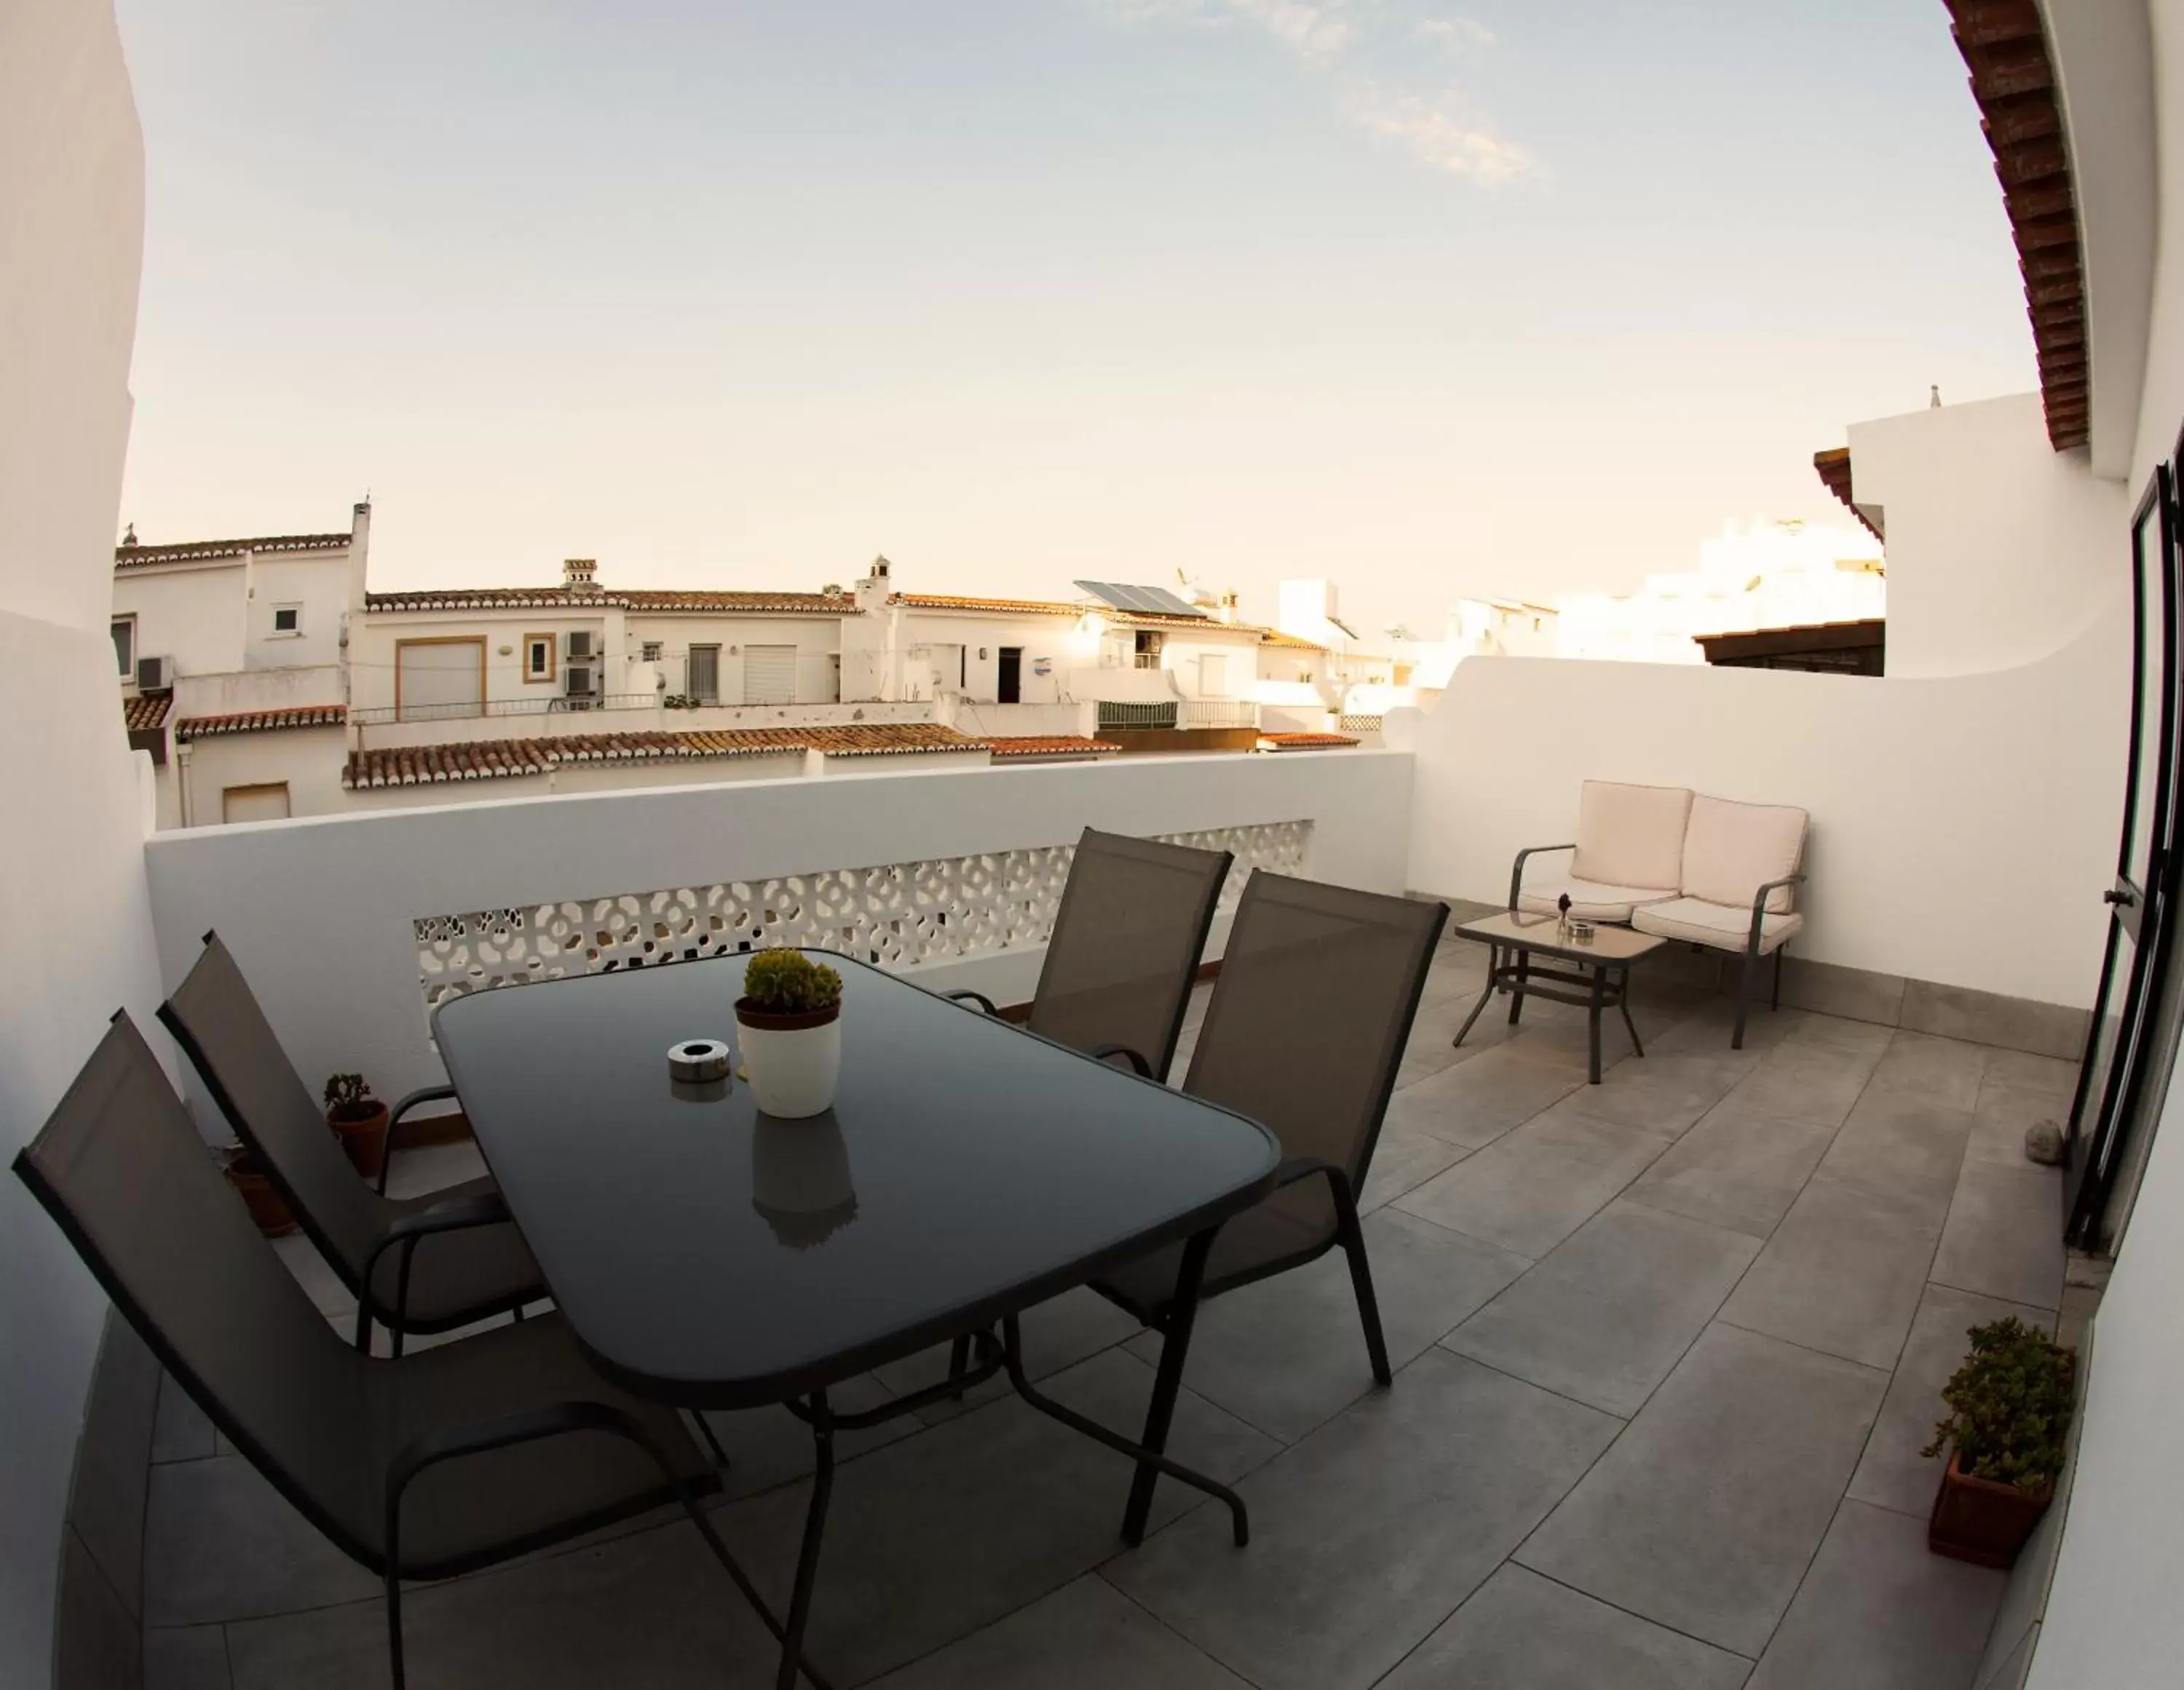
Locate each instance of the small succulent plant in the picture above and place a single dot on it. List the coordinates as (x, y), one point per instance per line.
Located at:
(785, 982)
(1562, 904)
(348, 1096)
(2009, 1406)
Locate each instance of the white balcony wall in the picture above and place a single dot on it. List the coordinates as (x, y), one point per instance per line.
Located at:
(72, 203)
(2016, 568)
(320, 913)
(1078, 720)
(1962, 831)
(237, 691)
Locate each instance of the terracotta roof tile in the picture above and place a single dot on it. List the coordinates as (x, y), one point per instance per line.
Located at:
(126, 557)
(485, 760)
(1275, 637)
(1834, 468)
(261, 721)
(145, 711)
(1306, 741)
(599, 598)
(2012, 79)
(1051, 745)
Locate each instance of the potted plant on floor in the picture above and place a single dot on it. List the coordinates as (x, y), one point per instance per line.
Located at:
(2009, 1413)
(247, 1173)
(789, 1018)
(359, 1120)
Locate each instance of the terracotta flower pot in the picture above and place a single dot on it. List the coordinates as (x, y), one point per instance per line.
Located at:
(269, 1214)
(1982, 1520)
(791, 1061)
(364, 1137)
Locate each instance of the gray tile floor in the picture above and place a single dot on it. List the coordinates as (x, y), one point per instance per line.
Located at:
(1667, 1350)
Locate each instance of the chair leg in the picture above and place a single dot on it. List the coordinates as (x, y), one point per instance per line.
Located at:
(959, 1361)
(1167, 1383)
(1778, 949)
(1517, 987)
(807, 1558)
(1360, 1282)
(1743, 996)
(394, 1627)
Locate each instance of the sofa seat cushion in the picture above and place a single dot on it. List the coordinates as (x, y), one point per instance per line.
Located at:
(1590, 900)
(1733, 849)
(1718, 924)
(1631, 835)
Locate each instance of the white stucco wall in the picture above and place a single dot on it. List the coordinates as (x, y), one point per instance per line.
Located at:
(318, 583)
(817, 640)
(1937, 805)
(289, 896)
(308, 761)
(197, 614)
(72, 203)
(2000, 548)
(2113, 1616)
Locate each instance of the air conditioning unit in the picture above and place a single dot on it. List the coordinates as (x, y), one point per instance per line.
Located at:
(581, 683)
(580, 649)
(155, 675)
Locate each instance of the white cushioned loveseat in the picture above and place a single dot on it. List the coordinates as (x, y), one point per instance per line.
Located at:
(1682, 865)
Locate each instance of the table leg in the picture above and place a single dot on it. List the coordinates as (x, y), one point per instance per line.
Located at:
(1517, 986)
(1167, 1382)
(1493, 977)
(1623, 1002)
(821, 1421)
(1592, 1020)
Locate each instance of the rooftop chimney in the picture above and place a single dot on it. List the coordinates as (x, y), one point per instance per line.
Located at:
(576, 575)
(129, 537)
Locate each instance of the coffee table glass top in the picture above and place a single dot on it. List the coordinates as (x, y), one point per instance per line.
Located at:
(712, 1256)
(1522, 930)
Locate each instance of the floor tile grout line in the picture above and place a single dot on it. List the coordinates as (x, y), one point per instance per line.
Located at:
(1179, 1635)
(1661, 1625)
(1441, 1343)
(1809, 1349)
(2054, 1309)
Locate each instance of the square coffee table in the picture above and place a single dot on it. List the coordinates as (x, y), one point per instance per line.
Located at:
(1605, 961)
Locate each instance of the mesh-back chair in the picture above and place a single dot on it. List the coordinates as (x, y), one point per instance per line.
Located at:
(450, 1459)
(1317, 991)
(1124, 951)
(421, 1265)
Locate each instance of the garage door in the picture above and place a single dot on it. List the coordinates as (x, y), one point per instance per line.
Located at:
(769, 674)
(439, 678)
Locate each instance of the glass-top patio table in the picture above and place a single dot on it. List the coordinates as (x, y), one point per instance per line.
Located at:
(709, 1255)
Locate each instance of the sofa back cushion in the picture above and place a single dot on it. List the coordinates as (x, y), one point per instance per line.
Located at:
(1732, 850)
(1630, 836)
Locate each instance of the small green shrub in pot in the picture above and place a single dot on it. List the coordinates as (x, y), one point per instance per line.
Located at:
(790, 1032)
(786, 982)
(358, 1119)
(2007, 1431)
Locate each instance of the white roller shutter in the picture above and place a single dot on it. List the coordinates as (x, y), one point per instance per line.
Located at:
(439, 678)
(769, 674)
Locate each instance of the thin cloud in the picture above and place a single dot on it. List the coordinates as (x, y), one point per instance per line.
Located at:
(1457, 32)
(1443, 132)
(1316, 34)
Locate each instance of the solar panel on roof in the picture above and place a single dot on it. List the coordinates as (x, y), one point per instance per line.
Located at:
(1142, 601)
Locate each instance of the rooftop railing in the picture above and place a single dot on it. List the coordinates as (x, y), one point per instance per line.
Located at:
(468, 711)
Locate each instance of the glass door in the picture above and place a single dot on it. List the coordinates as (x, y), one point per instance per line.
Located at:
(2117, 1093)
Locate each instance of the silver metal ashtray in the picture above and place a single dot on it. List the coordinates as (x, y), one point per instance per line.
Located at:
(698, 1060)
(1581, 932)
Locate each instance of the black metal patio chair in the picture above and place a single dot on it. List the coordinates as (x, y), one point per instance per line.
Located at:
(452, 1458)
(475, 1263)
(1124, 951)
(1314, 1007)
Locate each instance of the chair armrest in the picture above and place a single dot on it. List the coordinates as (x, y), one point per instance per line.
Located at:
(423, 1094)
(455, 1214)
(978, 998)
(1759, 908)
(1517, 870)
(1304, 1167)
(1100, 1054)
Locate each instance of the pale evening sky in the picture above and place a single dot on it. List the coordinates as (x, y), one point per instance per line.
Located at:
(1514, 297)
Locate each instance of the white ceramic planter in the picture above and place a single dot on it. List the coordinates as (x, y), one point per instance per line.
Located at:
(791, 1064)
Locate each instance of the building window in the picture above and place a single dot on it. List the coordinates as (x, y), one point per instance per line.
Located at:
(538, 657)
(1148, 651)
(653, 650)
(125, 646)
(288, 620)
(265, 802)
(703, 681)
